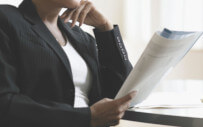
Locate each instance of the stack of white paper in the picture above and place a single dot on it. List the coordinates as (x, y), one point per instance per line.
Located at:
(166, 100)
(163, 52)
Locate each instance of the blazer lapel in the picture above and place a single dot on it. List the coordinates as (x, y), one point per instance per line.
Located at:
(75, 38)
(80, 44)
(30, 13)
(46, 35)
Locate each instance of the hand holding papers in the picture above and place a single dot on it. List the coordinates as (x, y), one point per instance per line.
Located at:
(163, 52)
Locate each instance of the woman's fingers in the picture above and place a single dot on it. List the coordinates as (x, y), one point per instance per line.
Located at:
(64, 14)
(68, 15)
(84, 13)
(114, 123)
(79, 14)
(121, 105)
(109, 112)
(116, 119)
(76, 14)
(126, 98)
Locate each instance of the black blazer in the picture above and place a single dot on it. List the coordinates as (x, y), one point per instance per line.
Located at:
(36, 85)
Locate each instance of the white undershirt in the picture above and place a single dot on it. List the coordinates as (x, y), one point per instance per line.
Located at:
(81, 75)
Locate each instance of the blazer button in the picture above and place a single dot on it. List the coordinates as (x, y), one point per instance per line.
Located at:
(118, 39)
(120, 45)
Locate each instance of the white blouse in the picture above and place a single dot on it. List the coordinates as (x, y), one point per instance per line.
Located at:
(81, 75)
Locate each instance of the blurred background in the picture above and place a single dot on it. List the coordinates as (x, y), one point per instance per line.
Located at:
(139, 19)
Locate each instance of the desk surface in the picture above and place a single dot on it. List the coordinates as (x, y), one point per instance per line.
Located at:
(188, 117)
(184, 112)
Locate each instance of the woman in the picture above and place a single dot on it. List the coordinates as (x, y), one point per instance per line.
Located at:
(53, 74)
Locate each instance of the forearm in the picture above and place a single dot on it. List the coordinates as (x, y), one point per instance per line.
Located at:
(113, 58)
(111, 49)
(105, 27)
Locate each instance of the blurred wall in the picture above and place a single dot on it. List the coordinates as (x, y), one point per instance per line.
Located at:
(113, 10)
(191, 67)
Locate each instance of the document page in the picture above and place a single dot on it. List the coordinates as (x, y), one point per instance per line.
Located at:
(162, 53)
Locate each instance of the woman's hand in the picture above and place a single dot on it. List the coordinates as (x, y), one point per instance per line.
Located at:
(86, 13)
(108, 112)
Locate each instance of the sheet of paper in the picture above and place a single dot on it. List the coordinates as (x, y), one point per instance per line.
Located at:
(159, 57)
(175, 34)
(166, 100)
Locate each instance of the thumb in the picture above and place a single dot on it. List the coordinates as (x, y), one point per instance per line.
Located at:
(127, 98)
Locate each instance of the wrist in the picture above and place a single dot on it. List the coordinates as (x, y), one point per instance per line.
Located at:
(107, 26)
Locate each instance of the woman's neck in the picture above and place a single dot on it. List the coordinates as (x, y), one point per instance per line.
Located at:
(47, 11)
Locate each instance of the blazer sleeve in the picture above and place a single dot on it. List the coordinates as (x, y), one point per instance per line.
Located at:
(113, 61)
(18, 110)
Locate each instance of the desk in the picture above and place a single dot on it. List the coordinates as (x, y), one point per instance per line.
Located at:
(187, 117)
